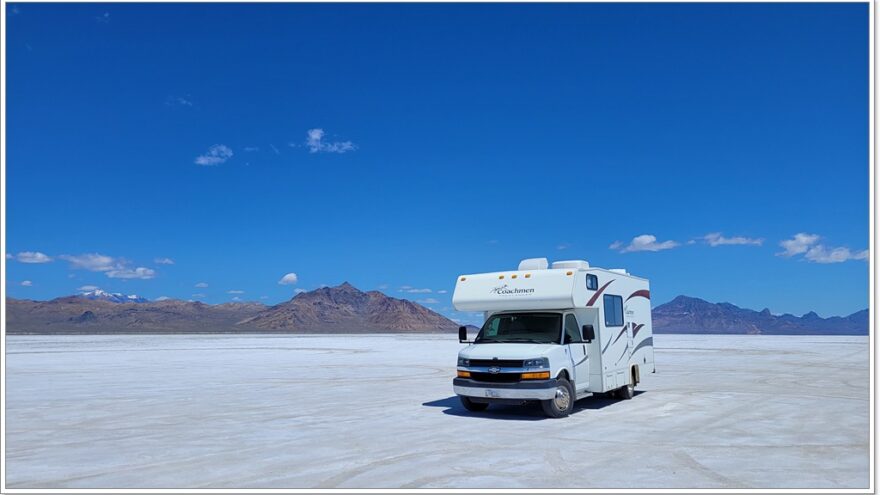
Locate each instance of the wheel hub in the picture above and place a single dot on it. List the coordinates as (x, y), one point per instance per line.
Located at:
(563, 398)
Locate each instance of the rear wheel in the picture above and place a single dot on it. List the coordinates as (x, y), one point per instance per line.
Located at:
(626, 393)
(471, 405)
(561, 405)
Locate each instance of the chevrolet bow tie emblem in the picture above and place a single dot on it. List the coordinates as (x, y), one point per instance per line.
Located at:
(494, 369)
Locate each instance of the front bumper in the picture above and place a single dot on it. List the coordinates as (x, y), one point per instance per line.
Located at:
(526, 390)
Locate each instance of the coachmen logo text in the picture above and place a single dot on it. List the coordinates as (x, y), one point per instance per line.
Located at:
(505, 290)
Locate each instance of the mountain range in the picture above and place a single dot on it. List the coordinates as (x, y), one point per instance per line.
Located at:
(346, 309)
(341, 309)
(692, 315)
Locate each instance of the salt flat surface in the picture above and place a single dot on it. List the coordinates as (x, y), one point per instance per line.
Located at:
(224, 411)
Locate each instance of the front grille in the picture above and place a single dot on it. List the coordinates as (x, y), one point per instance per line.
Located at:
(495, 377)
(502, 363)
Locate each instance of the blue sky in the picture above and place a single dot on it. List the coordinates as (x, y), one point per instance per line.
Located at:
(397, 146)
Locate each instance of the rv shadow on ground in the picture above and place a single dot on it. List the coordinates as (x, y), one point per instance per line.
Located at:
(528, 412)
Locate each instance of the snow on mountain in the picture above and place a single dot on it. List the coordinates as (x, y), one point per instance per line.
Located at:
(116, 297)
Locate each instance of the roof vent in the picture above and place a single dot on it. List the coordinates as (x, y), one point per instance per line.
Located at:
(533, 264)
(571, 264)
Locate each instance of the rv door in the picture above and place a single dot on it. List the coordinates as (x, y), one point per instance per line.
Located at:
(577, 351)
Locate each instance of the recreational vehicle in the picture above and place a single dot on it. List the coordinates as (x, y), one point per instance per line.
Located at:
(553, 334)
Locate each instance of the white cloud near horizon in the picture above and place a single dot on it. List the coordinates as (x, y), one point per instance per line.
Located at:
(299, 291)
(26, 283)
(715, 239)
(163, 261)
(235, 291)
(87, 288)
(429, 300)
(644, 242)
(815, 252)
(216, 155)
(32, 257)
(316, 143)
(163, 298)
(289, 279)
(201, 285)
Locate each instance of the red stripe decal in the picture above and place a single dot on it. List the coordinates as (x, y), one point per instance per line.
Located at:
(640, 293)
(636, 329)
(596, 295)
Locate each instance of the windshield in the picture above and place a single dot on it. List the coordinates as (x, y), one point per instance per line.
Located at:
(538, 328)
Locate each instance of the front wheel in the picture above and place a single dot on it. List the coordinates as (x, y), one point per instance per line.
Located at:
(561, 405)
(471, 405)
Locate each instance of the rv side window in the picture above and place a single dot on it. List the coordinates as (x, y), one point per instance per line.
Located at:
(613, 310)
(571, 329)
(592, 282)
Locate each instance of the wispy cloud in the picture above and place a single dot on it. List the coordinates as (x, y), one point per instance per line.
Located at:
(87, 288)
(178, 101)
(815, 252)
(251, 149)
(32, 257)
(563, 246)
(644, 242)
(715, 239)
(316, 143)
(26, 283)
(298, 291)
(163, 261)
(412, 290)
(110, 266)
(235, 291)
(128, 273)
(289, 279)
(429, 300)
(198, 295)
(103, 18)
(201, 285)
(163, 298)
(216, 155)
(92, 262)
(274, 149)
(442, 291)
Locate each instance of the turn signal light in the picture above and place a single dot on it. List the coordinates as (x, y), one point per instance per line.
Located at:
(467, 374)
(542, 375)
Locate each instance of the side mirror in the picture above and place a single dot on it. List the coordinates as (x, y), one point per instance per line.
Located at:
(462, 334)
(588, 333)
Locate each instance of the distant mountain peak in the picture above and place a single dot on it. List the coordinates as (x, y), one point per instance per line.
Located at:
(345, 308)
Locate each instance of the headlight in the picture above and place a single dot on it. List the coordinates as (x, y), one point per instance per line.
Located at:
(536, 363)
(464, 362)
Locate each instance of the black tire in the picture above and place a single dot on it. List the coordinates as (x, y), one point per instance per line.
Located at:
(626, 393)
(563, 404)
(471, 405)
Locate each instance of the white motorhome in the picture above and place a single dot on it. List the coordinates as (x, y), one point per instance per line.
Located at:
(553, 334)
